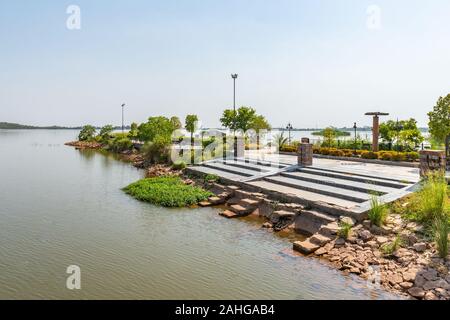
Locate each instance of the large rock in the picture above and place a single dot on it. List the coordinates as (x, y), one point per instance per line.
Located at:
(410, 275)
(416, 292)
(365, 235)
(305, 247)
(348, 220)
(441, 283)
(420, 246)
(430, 275)
(319, 239)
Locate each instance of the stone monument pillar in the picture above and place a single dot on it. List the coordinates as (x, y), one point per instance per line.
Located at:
(305, 153)
(432, 160)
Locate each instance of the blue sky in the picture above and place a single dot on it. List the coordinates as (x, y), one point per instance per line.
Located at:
(313, 63)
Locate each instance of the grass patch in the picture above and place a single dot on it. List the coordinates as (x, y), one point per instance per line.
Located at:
(441, 228)
(167, 192)
(378, 212)
(344, 230)
(211, 178)
(390, 248)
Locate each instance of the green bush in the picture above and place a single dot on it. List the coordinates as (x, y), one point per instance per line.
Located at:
(399, 156)
(87, 133)
(369, 155)
(288, 148)
(378, 211)
(344, 230)
(167, 192)
(390, 248)
(433, 197)
(120, 144)
(386, 155)
(157, 150)
(211, 178)
(179, 165)
(412, 156)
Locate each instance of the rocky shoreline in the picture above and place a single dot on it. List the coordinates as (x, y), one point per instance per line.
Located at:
(413, 270)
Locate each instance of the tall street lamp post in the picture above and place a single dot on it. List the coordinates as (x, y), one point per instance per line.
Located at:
(123, 127)
(234, 77)
(289, 128)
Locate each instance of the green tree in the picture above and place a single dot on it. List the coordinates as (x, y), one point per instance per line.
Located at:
(133, 133)
(191, 124)
(329, 134)
(87, 133)
(404, 132)
(105, 133)
(155, 126)
(439, 119)
(243, 118)
(259, 123)
(388, 131)
(176, 123)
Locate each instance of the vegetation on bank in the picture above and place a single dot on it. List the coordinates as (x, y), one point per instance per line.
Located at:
(167, 192)
(430, 206)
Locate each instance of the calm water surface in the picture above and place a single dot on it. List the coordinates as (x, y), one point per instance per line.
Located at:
(60, 207)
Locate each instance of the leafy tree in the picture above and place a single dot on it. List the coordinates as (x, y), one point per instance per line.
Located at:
(242, 119)
(105, 132)
(155, 126)
(404, 132)
(388, 131)
(329, 134)
(176, 123)
(259, 123)
(133, 133)
(439, 119)
(87, 133)
(191, 124)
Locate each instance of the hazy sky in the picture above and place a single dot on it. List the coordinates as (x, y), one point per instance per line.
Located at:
(314, 63)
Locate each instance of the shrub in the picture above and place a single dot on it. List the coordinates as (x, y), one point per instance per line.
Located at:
(167, 192)
(179, 165)
(344, 230)
(211, 178)
(390, 248)
(120, 143)
(433, 197)
(105, 133)
(316, 150)
(378, 211)
(441, 228)
(412, 156)
(87, 133)
(337, 153)
(157, 150)
(369, 155)
(386, 155)
(398, 156)
(288, 148)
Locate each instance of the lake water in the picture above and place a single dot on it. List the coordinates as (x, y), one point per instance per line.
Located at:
(61, 207)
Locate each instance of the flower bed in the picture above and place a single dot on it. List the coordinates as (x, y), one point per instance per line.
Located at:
(365, 154)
